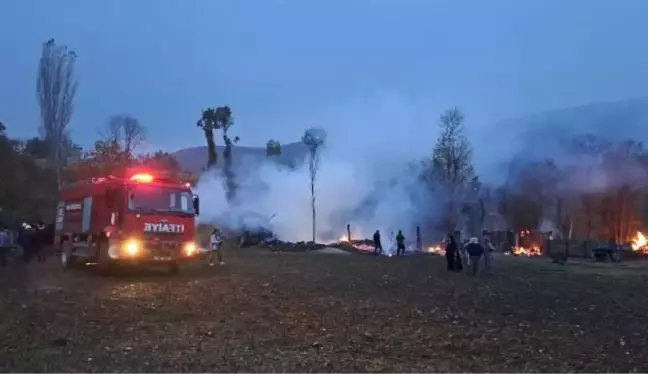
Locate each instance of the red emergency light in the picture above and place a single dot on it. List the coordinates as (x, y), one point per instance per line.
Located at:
(142, 178)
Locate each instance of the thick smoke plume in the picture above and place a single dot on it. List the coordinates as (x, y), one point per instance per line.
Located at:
(368, 178)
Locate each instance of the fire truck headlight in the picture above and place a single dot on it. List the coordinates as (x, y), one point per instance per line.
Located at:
(113, 252)
(132, 247)
(190, 249)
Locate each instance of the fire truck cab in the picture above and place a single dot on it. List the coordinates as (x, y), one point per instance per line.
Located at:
(140, 220)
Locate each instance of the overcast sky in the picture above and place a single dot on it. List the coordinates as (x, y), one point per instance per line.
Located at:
(286, 65)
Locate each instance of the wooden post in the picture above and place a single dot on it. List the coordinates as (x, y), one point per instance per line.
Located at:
(348, 232)
(516, 239)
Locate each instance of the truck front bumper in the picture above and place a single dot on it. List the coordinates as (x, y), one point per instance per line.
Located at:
(142, 251)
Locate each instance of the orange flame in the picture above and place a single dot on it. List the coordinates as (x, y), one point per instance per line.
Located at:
(639, 243)
(436, 249)
(527, 251)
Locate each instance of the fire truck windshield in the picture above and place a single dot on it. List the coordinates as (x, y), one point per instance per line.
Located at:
(147, 198)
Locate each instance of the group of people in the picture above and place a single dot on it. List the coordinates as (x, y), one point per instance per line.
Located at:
(472, 253)
(32, 240)
(400, 243)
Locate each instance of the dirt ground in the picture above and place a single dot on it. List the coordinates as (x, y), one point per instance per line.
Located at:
(311, 312)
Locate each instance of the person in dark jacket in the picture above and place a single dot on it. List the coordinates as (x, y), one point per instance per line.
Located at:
(26, 241)
(475, 251)
(5, 245)
(40, 242)
(377, 245)
(400, 243)
(452, 254)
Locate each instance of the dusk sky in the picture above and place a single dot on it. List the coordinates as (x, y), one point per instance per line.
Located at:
(286, 65)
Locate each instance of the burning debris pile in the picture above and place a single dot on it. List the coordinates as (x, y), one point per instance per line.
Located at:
(436, 250)
(529, 251)
(639, 244)
(297, 246)
(526, 244)
(367, 246)
(357, 245)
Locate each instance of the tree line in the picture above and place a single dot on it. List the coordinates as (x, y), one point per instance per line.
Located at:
(591, 188)
(596, 188)
(34, 169)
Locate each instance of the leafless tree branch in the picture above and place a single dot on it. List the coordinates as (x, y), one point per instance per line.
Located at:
(126, 131)
(56, 88)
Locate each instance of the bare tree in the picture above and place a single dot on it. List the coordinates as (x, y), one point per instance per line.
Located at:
(125, 131)
(620, 200)
(56, 88)
(313, 139)
(591, 148)
(112, 130)
(450, 166)
(134, 134)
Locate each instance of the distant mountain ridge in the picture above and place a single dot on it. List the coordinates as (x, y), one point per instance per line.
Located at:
(544, 134)
(194, 159)
(615, 120)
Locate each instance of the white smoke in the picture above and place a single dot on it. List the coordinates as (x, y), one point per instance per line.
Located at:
(369, 145)
(366, 157)
(283, 196)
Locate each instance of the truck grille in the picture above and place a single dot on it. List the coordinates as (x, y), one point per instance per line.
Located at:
(163, 248)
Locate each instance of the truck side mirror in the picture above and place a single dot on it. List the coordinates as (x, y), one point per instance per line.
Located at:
(196, 204)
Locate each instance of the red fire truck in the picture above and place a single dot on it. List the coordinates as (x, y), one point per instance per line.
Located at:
(142, 219)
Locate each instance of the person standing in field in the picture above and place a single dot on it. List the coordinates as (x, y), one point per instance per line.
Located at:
(5, 246)
(451, 253)
(377, 244)
(489, 248)
(215, 243)
(40, 241)
(400, 244)
(475, 251)
(26, 241)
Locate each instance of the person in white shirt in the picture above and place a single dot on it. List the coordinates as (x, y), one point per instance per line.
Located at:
(215, 243)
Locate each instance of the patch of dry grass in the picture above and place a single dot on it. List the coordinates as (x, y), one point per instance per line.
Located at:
(313, 312)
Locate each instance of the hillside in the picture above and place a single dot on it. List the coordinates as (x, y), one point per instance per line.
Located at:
(195, 158)
(534, 135)
(543, 134)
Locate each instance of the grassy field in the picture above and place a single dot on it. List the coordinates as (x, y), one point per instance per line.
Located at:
(324, 312)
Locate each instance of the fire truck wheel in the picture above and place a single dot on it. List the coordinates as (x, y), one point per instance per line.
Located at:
(174, 268)
(105, 264)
